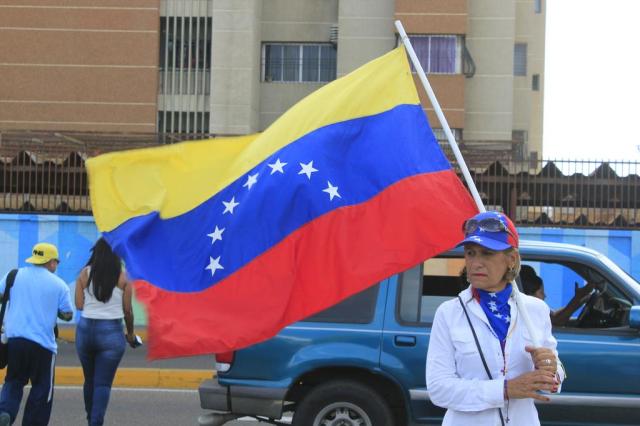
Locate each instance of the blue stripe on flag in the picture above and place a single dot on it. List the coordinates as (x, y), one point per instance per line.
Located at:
(359, 158)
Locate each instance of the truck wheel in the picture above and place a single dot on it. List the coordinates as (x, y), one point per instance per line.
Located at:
(343, 403)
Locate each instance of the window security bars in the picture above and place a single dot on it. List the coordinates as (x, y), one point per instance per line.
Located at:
(284, 62)
(438, 54)
(184, 81)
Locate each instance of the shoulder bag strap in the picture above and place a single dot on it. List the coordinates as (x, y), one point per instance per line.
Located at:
(475, 337)
(7, 288)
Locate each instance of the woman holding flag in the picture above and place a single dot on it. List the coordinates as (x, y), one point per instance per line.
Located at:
(481, 364)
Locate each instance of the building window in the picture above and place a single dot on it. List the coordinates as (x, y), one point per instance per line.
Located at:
(519, 148)
(185, 56)
(519, 135)
(298, 62)
(185, 43)
(538, 6)
(438, 54)
(442, 137)
(535, 82)
(520, 59)
(183, 122)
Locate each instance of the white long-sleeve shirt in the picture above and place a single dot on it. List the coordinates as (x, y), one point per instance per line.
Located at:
(456, 378)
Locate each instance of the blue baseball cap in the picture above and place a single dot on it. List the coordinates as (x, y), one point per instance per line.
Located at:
(492, 230)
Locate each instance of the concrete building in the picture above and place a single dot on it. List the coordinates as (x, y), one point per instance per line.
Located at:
(229, 67)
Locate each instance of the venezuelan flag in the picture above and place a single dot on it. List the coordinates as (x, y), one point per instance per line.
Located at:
(238, 237)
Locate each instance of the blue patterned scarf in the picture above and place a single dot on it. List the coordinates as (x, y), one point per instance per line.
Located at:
(496, 308)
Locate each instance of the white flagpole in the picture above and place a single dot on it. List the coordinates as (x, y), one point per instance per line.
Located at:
(463, 165)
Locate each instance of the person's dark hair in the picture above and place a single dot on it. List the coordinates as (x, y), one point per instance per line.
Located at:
(531, 282)
(105, 270)
(464, 282)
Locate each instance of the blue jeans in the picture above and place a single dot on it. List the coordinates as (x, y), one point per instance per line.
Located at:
(100, 345)
(28, 361)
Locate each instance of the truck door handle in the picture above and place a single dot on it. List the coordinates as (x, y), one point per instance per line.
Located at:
(405, 340)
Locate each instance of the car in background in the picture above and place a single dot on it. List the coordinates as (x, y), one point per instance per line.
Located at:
(362, 361)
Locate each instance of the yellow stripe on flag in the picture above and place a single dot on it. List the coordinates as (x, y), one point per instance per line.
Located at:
(175, 179)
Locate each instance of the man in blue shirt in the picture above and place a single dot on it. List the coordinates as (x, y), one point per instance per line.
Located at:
(36, 298)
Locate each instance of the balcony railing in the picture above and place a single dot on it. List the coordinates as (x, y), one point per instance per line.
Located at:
(184, 82)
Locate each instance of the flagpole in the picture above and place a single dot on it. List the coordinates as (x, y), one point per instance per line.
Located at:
(461, 163)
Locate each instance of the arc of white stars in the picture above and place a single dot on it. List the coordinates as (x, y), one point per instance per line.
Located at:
(332, 191)
(251, 180)
(307, 169)
(214, 265)
(230, 205)
(216, 235)
(278, 166)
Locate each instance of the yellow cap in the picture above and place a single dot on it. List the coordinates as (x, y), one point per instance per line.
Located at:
(42, 253)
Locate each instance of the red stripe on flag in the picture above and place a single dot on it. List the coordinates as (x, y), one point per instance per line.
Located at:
(325, 261)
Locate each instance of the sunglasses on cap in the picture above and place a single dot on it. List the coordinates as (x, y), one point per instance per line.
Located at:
(489, 224)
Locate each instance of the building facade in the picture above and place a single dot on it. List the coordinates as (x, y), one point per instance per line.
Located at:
(228, 67)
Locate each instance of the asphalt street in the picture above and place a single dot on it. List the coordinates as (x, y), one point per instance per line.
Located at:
(132, 407)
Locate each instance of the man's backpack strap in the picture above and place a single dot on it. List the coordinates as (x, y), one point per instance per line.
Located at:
(11, 277)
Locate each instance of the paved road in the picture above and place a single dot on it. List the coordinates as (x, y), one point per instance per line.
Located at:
(132, 407)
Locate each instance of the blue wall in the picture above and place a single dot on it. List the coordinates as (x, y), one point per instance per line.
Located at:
(75, 235)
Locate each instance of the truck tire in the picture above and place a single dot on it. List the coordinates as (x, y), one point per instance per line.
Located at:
(345, 403)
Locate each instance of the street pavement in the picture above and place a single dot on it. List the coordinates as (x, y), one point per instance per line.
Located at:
(132, 407)
(136, 407)
(162, 392)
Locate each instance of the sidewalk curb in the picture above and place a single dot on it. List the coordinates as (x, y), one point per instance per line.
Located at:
(137, 377)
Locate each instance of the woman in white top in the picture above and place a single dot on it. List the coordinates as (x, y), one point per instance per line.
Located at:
(103, 294)
(499, 387)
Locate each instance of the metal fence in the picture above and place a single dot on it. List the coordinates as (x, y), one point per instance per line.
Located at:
(563, 192)
(44, 172)
(47, 176)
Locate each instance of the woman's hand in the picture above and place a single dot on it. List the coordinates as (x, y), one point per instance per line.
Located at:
(131, 339)
(543, 359)
(527, 385)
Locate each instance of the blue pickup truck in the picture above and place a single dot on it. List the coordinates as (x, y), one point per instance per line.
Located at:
(362, 362)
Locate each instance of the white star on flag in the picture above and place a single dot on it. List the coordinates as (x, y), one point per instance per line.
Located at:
(493, 295)
(332, 191)
(216, 235)
(492, 306)
(214, 265)
(307, 169)
(498, 315)
(251, 180)
(277, 166)
(230, 205)
(507, 319)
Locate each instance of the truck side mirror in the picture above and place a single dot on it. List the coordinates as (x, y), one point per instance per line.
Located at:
(634, 317)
